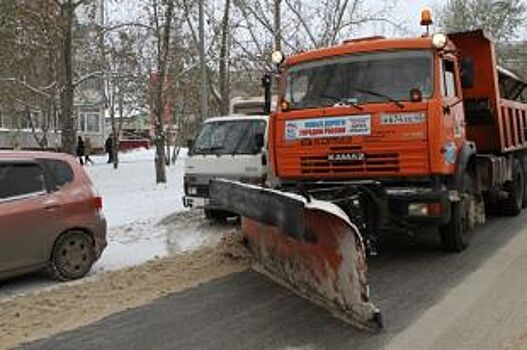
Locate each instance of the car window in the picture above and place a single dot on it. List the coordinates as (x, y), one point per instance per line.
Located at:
(59, 171)
(20, 179)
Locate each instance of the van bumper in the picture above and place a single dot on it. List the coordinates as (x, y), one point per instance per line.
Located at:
(195, 202)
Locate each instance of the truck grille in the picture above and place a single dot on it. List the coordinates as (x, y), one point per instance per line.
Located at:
(372, 163)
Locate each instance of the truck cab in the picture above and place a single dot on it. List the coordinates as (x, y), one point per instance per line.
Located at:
(232, 147)
(420, 129)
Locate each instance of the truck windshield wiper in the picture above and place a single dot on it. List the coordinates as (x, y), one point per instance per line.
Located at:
(345, 101)
(378, 94)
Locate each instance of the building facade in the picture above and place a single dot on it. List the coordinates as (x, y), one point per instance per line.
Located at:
(23, 127)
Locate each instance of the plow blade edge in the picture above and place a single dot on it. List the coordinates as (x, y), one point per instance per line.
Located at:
(309, 246)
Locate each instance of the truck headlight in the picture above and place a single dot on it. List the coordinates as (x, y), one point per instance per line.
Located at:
(192, 191)
(439, 40)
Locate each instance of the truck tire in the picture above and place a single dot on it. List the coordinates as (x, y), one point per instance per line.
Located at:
(512, 205)
(524, 168)
(455, 235)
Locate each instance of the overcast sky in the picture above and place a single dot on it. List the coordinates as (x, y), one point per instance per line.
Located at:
(407, 11)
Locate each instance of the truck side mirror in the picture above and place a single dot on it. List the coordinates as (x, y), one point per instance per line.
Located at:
(259, 141)
(467, 72)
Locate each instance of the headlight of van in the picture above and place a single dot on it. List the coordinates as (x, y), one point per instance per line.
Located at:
(192, 191)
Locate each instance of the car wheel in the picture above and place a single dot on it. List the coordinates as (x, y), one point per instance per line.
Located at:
(73, 256)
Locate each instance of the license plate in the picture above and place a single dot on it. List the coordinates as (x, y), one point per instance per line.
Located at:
(346, 157)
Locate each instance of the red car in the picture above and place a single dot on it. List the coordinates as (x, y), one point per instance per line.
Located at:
(50, 216)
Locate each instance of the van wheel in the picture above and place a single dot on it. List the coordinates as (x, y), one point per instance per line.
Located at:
(73, 256)
(455, 235)
(512, 205)
(217, 215)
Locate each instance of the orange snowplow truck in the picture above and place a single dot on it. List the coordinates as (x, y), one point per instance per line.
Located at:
(380, 135)
(429, 130)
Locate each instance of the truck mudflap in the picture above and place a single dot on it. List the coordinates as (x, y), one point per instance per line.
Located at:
(309, 246)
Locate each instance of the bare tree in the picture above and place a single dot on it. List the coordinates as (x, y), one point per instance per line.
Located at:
(162, 19)
(224, 61)
(502, 19)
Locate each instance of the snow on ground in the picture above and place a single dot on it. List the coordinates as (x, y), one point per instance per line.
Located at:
(145, 220)
(130, 192)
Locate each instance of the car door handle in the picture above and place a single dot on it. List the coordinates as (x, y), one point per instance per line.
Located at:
(51, 207)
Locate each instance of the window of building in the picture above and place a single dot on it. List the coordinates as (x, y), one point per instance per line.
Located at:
(89, 121)
(33, 119)
(20, 180)
(92, 122)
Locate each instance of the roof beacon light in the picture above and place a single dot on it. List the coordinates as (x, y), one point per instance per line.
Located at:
(426, 16)
(439, 40)
(426, 19)
(277, 57)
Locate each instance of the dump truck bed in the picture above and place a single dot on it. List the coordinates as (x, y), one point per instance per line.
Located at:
(496, 101)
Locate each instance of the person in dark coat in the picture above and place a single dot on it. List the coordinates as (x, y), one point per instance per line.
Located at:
(108, 146)
(87, 151)
(80, 149)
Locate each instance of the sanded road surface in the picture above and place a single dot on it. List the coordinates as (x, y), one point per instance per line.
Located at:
(429, 300)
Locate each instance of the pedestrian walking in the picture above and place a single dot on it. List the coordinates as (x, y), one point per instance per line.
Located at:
(80, 149)
(87, 151)
(108, 145)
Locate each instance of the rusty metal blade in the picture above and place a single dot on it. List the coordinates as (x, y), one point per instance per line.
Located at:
(310, 247)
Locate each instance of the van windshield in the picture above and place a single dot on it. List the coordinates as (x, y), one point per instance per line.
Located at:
(360, 79)
(229, 137)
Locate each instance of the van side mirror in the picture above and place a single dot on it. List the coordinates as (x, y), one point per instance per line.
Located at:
(259, 141)
(467, 72)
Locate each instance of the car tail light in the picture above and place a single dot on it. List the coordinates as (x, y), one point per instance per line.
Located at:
(97, 203)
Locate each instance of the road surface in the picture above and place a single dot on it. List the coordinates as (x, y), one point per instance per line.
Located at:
(429, 299)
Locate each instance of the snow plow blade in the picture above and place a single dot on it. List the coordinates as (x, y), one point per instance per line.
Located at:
(308, 246)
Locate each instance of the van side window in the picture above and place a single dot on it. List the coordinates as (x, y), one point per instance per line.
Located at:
(20, 179)
(59, 171)
(449, 79)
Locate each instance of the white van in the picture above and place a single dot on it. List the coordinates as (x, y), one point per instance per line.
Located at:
(232, 147)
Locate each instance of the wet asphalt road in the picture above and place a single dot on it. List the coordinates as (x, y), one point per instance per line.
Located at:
(247, 311)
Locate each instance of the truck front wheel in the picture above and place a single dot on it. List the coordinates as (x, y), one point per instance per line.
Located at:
(455, 234)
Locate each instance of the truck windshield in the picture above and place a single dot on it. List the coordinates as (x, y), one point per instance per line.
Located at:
(360, 78)
(229, 137)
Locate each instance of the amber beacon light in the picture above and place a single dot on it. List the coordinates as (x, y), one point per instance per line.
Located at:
(426, 18)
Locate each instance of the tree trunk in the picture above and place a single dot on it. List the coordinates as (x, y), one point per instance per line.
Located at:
(159, 103)
(224, 62)
(115, 150)
(67, 118)
(277, 25)
(203, 95)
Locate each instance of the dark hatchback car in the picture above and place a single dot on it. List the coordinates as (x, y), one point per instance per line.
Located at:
(50, 216)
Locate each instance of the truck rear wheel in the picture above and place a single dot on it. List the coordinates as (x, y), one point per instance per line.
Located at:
(455, 234)
(512, 205)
